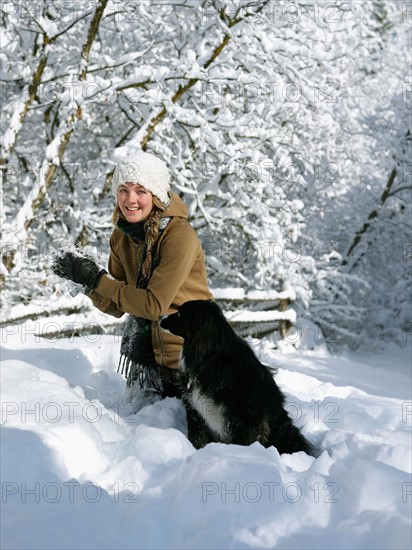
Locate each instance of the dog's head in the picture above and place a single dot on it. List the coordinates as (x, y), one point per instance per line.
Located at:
(193, 318)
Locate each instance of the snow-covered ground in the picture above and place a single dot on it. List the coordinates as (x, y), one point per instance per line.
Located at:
(79, 471)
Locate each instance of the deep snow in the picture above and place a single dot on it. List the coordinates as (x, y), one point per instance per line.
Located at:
(80, 471)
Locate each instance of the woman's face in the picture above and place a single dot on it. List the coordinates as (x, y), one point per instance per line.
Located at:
(134, 201)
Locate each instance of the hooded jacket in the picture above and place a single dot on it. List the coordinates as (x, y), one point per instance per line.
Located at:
(180, 276)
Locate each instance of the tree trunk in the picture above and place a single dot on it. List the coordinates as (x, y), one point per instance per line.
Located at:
(361, 233)
(9, 138)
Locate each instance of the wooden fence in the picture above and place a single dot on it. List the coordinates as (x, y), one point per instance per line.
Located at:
(253, 313)
(257, 312)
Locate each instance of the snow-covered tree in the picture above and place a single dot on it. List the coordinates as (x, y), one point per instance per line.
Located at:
(281, 122)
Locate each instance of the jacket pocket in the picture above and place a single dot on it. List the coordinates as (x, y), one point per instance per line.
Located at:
(166, 347)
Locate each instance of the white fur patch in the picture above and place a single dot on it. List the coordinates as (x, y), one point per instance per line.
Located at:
(212, 413)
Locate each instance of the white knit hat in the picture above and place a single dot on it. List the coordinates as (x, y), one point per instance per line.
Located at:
(146, 170)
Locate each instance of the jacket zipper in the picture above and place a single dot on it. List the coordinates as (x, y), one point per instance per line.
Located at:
(156, 329)
(159, 342)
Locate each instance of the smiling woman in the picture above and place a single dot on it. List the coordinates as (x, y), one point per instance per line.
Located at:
(156, 264)
(135, 203)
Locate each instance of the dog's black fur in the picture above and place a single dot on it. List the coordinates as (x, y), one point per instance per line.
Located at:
(229, 395)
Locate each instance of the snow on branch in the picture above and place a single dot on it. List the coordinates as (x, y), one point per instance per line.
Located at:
(246, 316)
(239, 294)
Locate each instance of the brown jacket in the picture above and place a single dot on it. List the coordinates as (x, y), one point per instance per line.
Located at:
(180, 276)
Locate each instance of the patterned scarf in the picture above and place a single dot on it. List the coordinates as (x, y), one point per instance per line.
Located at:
(137, 361)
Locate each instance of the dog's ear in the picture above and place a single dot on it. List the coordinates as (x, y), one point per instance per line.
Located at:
(201, 316)
(200, 321)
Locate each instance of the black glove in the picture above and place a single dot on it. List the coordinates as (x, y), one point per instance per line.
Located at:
(79, 269)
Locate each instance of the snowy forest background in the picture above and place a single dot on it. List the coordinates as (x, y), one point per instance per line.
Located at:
(286, 127)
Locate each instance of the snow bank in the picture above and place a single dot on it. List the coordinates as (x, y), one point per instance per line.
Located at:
(80, 470)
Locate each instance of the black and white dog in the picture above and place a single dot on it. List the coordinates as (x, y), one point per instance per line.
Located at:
(229, 395)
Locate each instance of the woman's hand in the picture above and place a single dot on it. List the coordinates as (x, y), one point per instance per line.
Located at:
(79, 269)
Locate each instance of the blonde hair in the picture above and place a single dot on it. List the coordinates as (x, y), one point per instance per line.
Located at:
(151, 229)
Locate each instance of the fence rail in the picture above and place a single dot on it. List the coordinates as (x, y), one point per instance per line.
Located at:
(258, 312)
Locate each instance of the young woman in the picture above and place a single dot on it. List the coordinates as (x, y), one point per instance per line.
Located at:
(156, 263)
